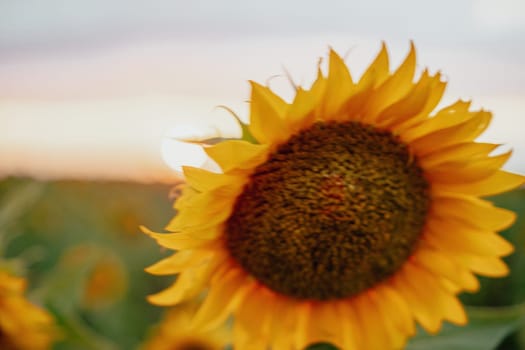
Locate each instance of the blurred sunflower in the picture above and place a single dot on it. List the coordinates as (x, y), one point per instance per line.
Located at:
(174, 333)
(343, 216)
(106, 279)
(23, 326)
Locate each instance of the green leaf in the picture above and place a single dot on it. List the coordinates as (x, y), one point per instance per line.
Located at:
(245, 128)
(79, 335)
(205, 142)
(18, 201)
(15, 202)
(485, 331)
(246, 133)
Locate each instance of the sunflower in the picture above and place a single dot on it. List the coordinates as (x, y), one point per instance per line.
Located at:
(346, 216)
(174, 333)
(105, 281)
(23, 326)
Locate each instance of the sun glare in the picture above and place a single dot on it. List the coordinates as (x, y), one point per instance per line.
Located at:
(176, 152)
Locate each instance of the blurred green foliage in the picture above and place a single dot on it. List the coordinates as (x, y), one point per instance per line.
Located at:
(57, 233)
(44, 222)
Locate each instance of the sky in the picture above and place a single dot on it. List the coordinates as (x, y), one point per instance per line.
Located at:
(93, 89)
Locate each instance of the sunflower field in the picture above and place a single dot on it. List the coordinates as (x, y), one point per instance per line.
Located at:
(359, 214)
(45, 222)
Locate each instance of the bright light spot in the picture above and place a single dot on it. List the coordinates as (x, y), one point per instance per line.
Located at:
(177, 153)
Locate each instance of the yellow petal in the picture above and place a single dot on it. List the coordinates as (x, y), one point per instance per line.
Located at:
(339, 85)
(440, 265)
(463, 132)
(276, 102)
(239, 154)
(374, 335)
(179, 291)
(284, 319)
(317, 93)
(418, 300)
(393, 88)
(208, 206)
(378, 71)
(501, 181)
(188, 284)
(13, 284)
(353, 107)
(443, 303)
(351, 327)
(409, 106)
(473, 211)
(178, 262)
(222, 299)
(204, 180)
(176, 241)
(301, 112)
(183, 193)
(484, 265)
(213, 200)
(191, 220)
(439, 303)
(395, 338)
(462, 172)
(395, 306)
(254, 311)
(244, 340)
(437, 89)
(266, 115)
(454, 114)
(457, 153)
(325, 323)
(301, 334)
(205, 232)
(455, 237)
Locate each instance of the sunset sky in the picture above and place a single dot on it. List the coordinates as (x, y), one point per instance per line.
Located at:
(90, 89)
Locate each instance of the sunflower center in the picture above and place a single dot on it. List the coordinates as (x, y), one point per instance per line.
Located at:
(333, 211)
(192, 344)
